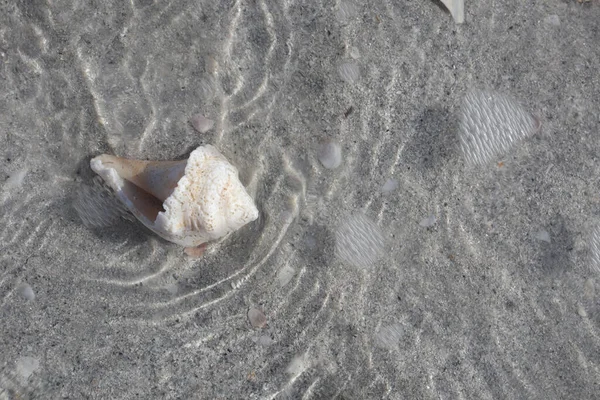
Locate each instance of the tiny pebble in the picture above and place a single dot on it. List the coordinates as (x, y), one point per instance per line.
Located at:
(285, 275)
(201, 123)
(211, 65)
(543, 235)
(428, 222)
(26, 366)
(297, 365)
(26, 291)
(15, 179)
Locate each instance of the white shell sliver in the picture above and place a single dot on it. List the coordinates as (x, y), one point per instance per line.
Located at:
(457, 9)
(187, 202)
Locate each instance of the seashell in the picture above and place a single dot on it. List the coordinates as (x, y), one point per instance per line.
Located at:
(26, 291)
(354, 52)
(257, 318)
(211, 65)
(298, 364)
(188, 202)
(26, 366)
(491, 124)
(15, 180)
(543, 235)
(457, 9)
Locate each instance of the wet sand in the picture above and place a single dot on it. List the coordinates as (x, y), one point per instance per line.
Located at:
(406, 271)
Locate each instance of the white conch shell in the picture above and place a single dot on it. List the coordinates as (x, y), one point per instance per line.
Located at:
(187, 202)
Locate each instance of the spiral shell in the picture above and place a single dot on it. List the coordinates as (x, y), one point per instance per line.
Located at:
(188, 202)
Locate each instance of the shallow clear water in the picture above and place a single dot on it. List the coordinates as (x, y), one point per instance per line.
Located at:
(408, 271)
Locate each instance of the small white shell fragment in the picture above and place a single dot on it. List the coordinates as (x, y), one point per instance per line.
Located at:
(285, 275)
(297, 365)
(552, 20)
(354, 52)
(349, 72)
(188, 202)
(257, 318)
(330, 154)
(211, 65)
(15, 179)
(389, 186)
(428, 222)
(26, 366)
(543, 235)
(26, 291)
(265, 340)
(201, 123)
(457, 9)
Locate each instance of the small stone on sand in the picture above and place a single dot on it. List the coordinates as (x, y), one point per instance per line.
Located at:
(201, 123)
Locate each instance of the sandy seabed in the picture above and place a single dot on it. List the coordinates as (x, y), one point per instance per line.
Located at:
(406, 272)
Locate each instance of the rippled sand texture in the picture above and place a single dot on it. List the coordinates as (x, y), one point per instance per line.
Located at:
(402, 270)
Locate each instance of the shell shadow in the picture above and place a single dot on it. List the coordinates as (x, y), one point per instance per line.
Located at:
(317, 246)
(434, 143)
(240, 244)
(556, 255)
(113, 223)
